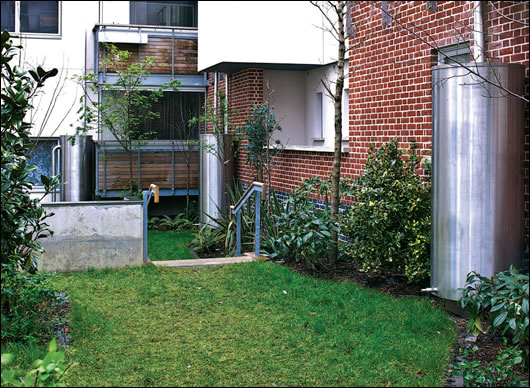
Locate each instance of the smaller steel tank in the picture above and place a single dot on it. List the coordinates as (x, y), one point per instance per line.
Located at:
(478, 158)
(77, 168)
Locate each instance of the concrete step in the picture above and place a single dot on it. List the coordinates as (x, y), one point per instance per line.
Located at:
(247, 257)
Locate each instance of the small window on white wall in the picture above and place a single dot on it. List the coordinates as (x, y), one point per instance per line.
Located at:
(345, 113)
(320, 117)
(32, 17)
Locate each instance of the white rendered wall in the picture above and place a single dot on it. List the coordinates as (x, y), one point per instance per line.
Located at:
(295, 101)
(67, 54)
(262, 31)
(287, 96)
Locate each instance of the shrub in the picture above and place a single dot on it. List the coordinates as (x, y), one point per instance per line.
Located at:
(298, 231)
(208, 240)
(502, 300)
(498, 374)
(22, 218)
(48, 372)
(179, 223)
(30, 300)
(388, 225)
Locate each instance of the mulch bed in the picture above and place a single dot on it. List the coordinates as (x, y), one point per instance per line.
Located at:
(488, 345)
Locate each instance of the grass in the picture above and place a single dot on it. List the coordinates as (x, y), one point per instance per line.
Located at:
(169, 245)
(250, 324)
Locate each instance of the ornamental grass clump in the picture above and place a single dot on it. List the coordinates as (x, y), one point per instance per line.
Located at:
(388, 225)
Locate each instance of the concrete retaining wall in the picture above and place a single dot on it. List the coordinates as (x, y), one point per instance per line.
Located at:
(99, 234)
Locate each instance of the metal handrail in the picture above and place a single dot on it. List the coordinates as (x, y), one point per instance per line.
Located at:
(258, 188)
(147, 195)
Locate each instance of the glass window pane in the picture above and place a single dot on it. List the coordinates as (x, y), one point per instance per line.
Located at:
(175, 110)
(39, 17)
(41, 156)
(8, 15)
(164, 13)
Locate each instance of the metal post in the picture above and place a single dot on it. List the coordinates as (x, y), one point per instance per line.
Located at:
(138, 185)
(172, 54)
(146, 203)
(238, 233)
(258, 221)
(104, 169)
(172, 168)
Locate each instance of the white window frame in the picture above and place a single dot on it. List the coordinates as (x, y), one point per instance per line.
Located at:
(38, 35)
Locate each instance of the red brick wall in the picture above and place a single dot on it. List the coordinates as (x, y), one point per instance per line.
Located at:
(390, 80)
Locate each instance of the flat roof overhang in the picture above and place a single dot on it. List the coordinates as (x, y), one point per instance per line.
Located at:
(234, 67)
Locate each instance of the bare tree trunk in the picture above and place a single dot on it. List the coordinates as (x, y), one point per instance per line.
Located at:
(337, 155)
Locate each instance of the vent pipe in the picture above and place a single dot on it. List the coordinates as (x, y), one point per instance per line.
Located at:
(478, 32)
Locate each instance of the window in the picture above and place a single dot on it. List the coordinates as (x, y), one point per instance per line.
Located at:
(8, 15)
(31, 17)
(459, 52)
(320, 116)
(41, 157)
(164, 13)
(175, 109)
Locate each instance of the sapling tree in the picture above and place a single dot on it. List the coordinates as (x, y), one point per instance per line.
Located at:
(125, 104)
(262, 149)
(188, 143)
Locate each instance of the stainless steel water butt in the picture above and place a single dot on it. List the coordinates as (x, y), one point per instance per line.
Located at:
(77, 169)
(211, 179)
(478, 154)
(214, 176)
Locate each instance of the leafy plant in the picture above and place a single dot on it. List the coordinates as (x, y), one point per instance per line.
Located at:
(48, 372)
(260, 148)
(208, 240)
(498, 374)
(298, 231)
(22, 218)
(30, 299)
(388, 225)
(501, 300)
(179, 223)
(153, 223)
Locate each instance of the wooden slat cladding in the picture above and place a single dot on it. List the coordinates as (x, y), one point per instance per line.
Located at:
(185, 55)
(155, 167)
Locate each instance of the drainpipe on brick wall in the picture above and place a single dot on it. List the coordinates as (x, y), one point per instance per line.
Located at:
(478, 32)
(227, 104)
(215, 93)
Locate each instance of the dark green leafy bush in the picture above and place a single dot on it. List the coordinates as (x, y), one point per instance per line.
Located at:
(22, 218)
(499, 373)
(298, 231)
(208, 240)
(502, 300)
(388, 225)
(30, 301)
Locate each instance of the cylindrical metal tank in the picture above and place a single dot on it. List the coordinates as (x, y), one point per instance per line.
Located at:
(478, 154)
(214, 176)
(77, 169)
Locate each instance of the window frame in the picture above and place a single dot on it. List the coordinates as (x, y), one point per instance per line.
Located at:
(38, 35)
(453, 51)
(133, 14)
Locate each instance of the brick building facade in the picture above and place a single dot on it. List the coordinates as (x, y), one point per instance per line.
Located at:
(389, 82)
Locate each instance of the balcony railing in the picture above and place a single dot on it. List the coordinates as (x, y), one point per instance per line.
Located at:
(160, 162)
(174, 47)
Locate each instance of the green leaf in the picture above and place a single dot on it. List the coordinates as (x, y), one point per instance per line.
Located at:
(500, 319)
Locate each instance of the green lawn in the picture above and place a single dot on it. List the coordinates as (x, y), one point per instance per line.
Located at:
(250, 324)
(169, 245)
